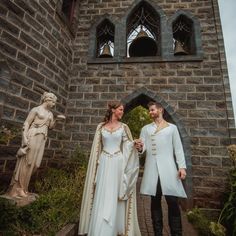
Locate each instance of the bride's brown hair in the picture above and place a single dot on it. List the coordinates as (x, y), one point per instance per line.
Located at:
(108, 115)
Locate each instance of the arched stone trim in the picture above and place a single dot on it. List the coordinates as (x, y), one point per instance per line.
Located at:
(123, 27)
(196, 31)
(92, 53)
(141, 97)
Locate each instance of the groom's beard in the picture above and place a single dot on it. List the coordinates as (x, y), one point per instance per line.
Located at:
(155, 116)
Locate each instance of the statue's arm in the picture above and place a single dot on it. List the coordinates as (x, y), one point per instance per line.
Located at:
(30, 118)
(52, 121)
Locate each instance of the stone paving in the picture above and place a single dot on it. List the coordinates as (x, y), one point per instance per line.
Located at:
(145, 222)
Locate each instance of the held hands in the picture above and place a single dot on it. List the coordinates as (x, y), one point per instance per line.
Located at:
(138, 143)
(182, 173)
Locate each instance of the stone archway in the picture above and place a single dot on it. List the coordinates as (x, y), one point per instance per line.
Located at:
(141, 97)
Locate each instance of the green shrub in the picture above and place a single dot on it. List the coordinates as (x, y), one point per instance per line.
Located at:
(60, 195)
(136, 119)
(200, 221)
(226, 224)
(228, 213)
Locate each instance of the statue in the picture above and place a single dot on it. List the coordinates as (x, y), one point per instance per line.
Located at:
(34, 136)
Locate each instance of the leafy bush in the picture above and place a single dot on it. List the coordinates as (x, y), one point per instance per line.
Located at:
(228, 213)
(59, 203)
(136, 119)
(200, 221)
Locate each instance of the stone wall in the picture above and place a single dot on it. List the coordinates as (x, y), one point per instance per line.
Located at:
(195, 91)
(40, 52)
(35, 56)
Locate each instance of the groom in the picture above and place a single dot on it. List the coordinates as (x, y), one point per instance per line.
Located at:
(164, 169)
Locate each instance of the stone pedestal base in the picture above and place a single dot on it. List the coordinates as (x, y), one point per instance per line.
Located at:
(21, 201)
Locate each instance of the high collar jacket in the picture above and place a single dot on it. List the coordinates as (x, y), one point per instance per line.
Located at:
(164, 156)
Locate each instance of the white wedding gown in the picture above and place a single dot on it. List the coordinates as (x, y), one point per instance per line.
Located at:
(108, 213)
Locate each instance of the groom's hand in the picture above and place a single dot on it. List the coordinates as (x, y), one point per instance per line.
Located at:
(182, 173)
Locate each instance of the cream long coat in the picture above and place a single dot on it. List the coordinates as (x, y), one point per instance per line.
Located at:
(161, 145)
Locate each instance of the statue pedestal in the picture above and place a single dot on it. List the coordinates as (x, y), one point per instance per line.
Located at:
(21, 201)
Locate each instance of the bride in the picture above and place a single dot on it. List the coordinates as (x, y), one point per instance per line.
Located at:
(109, 198)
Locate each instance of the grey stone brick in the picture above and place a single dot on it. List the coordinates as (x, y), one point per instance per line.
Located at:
(90, 112)
(186, 104)
(8, 112)
(51, 84)
(81, 119)
(216, 114)
(40, 18)
(12, 7)
(45, 71)
(91, 96)
(27, 60)
(200, 151)
(220, 172)
(18, 21)
(211, 161)
(51, 66)
(25, 6)
(36, 55)
(196, 96)
(13, 100)
(107, 96)
(39, 37)
(194, 80)
(100, 88)
(16, 65)
(206, 105)
(214, 96)
(208, 123)
(176, 80)
(204, 88)
(30, 95)
(13, 41)
(20, 116)
(219, 151)
(29, 40)
(80, 136)
(52, 21)
(201, 171)
(7, 49)
(76, 95)
(14, 89)
(159, 81)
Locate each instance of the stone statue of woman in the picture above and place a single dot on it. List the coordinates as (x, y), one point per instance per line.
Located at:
(34, 136)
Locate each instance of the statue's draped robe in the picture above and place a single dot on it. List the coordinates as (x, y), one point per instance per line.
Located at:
(109, 198)
(37, 136)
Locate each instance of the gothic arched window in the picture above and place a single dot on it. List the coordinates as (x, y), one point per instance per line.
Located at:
(183, 36)
(105, 39)
(143, 32)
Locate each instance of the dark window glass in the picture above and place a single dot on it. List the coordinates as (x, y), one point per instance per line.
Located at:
(68, 7)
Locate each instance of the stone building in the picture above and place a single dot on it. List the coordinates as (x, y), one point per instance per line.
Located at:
(58, 46)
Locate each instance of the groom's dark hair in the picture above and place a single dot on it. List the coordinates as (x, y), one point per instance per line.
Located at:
(158, 105)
